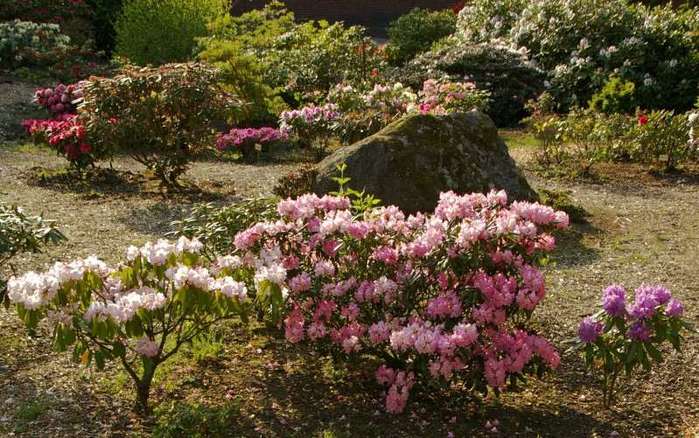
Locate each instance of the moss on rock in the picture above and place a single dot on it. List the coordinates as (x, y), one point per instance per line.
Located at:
(413, 159)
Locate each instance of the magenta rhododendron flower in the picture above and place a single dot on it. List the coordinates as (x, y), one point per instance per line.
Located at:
(66, 134)
(59, 100)
(639, 331)
(237, 138)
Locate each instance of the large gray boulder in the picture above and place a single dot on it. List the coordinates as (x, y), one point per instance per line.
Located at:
(412, 160)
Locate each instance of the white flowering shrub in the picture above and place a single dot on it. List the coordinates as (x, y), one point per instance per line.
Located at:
(580, 43)
(693, 124)
(28, 43)
(139, 313)
(22, 233)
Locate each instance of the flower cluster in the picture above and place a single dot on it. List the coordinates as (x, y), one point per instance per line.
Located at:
(445, 97)
(437, 293)
(626, 335)
(346, 97)
(693, 124)
(66, 135)
(248, 140)
(364, 113)
(110, 297)
(391, 99)
(308, 119)
(59, 100)
(162, 291)
(310, 124)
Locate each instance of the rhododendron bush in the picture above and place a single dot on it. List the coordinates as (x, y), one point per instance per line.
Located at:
(622, 337)
(162, 117)
(249, 141)
(44, 49)
(24, 43)
(22, 233)
(138, 313)
(312, 124)
(582, 43)
(441, 297)
(445, 97)
(581, 138)
(365, 113)
(64, 132)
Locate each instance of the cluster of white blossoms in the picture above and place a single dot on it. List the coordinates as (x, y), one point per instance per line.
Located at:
(111, 300)
(122, 308)
(269, 266)
(693, 123)
(34, 290)
(158, 253)
(182, 276)
(231, 288)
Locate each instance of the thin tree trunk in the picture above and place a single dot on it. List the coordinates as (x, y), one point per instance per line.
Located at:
(143, 391)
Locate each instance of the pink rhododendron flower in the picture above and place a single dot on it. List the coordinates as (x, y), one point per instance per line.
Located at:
(147, 347)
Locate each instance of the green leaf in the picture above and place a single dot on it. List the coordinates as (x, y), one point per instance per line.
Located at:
(118, 349)
(99, 359)
(277, 302)
(653, 352)
(133, 327)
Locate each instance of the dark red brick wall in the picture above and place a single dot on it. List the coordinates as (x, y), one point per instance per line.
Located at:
(373, 14)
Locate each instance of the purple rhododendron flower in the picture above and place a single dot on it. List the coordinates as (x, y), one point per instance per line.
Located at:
(614, 300)
(589, 330)
(662, 295)
(639, 331)
(645, 302)
(674, 308)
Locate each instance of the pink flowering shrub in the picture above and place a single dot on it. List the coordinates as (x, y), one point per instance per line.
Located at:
(446, 97)
(67, 136)
(438, 297)
(312, 125)
(64, 132)
(623, 337)
(249, 141)
(138, 313)
(59, 100)
(366, 112)
(390, 99)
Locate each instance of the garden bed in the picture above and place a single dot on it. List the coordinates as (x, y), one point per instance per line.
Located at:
(252, 383)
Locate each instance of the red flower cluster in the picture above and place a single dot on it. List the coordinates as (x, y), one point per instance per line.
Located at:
(67, 136)
(642, 119)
